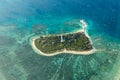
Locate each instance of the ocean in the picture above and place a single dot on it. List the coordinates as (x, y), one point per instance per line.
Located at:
(22, 19)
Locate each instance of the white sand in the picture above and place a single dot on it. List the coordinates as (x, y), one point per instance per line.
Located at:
(32, 42)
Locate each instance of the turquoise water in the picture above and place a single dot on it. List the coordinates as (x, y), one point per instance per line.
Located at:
(17, 25)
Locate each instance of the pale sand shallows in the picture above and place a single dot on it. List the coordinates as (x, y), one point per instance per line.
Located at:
(32, 43)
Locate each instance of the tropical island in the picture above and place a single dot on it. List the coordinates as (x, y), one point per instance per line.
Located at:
(75, 43)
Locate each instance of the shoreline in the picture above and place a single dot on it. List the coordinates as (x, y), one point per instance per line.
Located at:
(48, 35)
(32, 40)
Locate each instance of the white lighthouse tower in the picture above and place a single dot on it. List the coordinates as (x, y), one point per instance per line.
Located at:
(62, 40)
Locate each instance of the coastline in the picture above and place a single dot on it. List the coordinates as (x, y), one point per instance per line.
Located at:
(64, 51)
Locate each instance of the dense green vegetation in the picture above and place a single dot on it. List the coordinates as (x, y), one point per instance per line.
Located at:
(75, 41)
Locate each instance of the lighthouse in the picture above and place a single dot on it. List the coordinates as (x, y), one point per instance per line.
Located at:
(62, 40)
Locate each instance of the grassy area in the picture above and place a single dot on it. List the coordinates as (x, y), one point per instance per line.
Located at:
(75, 42)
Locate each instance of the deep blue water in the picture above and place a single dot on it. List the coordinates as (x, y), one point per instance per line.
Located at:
(22, 19)
(105, 13)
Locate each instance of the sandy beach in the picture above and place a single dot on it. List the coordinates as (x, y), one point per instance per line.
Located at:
(32, 43)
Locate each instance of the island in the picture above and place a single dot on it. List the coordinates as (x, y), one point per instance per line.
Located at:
(77, 42)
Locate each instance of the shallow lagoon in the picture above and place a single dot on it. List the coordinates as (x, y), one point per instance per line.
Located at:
(19, 62)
